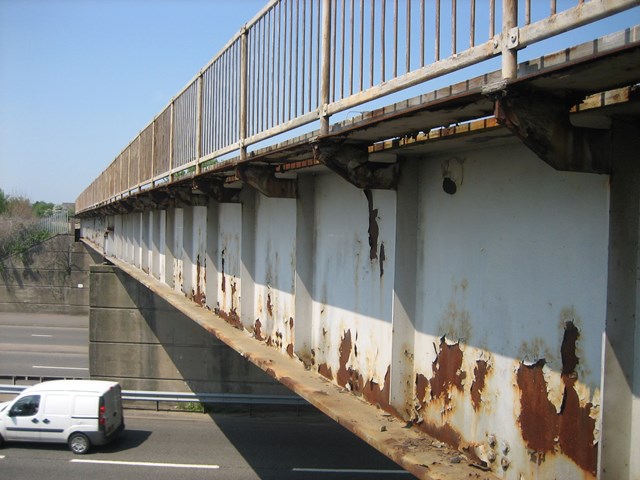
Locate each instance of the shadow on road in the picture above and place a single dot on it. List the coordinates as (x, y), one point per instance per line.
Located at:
(303, 445)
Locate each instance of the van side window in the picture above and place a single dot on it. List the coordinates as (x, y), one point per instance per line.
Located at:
(25, 407)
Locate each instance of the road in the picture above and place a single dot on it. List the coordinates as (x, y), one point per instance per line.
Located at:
(223, 446)
(44, 345)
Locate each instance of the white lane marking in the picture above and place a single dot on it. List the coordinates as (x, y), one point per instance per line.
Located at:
(39, 335)
(1, 457)
(59, 368)
(349, 470)
(147, 464)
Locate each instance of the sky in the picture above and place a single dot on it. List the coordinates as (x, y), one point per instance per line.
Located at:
(79, 79)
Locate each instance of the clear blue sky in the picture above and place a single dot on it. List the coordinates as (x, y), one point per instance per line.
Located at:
(79, 79)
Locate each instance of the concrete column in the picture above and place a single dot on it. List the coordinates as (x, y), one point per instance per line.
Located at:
(620, 442)
(404, 291)
(197, 254)
(178, 226)
(211, 287)
(247, 258)
(305, 256)
(186, 252)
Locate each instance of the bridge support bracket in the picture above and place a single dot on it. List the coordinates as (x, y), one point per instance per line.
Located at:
(541, 121)
(214, 188)
(351, 162)
(263, 179)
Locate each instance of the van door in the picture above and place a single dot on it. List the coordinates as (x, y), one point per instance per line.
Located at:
(55, 417)
(22, 419)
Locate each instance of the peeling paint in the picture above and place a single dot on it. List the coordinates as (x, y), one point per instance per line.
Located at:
(346, 376)
(269, 305)
(447, 371)
(325, 371)
(573, 429)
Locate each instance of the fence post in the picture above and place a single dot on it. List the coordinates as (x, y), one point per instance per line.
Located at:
(325, 80)
(509, 39)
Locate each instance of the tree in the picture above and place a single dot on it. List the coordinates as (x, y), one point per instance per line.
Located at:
(3, 202)
(19, 207)
(40, 209)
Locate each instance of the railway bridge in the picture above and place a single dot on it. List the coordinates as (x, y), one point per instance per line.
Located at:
(451, 273)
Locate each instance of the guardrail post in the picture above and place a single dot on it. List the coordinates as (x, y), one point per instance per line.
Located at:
(325, 80)
(509, 39)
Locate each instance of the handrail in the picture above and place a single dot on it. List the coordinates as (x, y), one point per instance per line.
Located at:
(301, 61)
(180, 397)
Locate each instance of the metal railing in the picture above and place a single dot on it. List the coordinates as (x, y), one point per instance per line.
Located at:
(56, 223)
(188, 397)
(301, 61)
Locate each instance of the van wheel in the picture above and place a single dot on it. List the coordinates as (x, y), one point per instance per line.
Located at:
(1, 441)
(79, 443)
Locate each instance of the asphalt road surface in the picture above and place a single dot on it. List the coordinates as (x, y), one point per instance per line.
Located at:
(44, 345)
(222, 446)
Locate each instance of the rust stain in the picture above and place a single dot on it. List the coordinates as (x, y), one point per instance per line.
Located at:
(374, 230)
(537, 414)
(576, 429)
(269, 305)
(570, 431)
(232, 318)
(445, 433)
(375, 395)
(421, 387)
(382, 259)
(199, 295)
(344, 375)
(480, 374)
(223, 286)
(290, 350)
(325, 371)
(257, 331)
(447, 368)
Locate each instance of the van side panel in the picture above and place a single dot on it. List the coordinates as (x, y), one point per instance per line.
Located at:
(86, 407)
(55, 416)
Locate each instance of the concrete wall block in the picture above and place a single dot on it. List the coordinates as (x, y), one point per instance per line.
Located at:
(21, 277)
(146, 326)
(111, 287)
(36, 294)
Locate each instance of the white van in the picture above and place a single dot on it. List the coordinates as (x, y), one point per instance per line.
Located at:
(80, 413)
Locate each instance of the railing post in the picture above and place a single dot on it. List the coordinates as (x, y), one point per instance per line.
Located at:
(244, 61)
(198, 123)
(172, 123)
(325, 80)
(509, 39)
